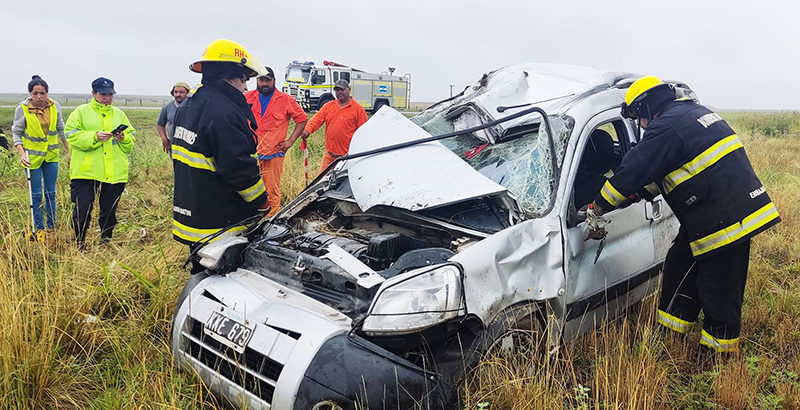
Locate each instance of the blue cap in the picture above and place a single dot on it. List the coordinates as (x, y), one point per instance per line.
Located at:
(103, 85)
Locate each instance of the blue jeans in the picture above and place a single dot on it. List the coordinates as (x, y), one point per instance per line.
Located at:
(49, 173)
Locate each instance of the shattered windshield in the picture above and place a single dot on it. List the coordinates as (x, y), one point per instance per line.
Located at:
(521, 164)
(297, 75)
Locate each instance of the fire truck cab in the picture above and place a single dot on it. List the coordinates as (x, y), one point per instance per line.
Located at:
(312, 85)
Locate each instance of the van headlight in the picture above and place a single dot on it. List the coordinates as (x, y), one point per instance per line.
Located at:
(415, 300)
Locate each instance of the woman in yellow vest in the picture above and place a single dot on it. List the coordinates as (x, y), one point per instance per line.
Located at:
(38, 125)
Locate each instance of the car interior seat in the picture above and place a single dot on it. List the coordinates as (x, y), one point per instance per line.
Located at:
(599, 157)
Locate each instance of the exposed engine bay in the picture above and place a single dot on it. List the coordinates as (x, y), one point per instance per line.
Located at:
(337, 254)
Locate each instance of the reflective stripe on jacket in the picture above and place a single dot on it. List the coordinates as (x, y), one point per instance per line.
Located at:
(104, 161)
(217, 181)
(40, 147)
(700, 166)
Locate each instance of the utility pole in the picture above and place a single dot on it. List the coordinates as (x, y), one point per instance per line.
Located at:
(451, 90)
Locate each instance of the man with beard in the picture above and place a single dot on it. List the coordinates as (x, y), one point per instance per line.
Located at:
(273, 110)
(166, 120)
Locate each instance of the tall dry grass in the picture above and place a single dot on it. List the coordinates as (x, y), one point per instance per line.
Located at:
(628, 364)
(91, 330)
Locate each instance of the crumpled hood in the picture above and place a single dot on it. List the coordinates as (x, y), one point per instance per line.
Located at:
(414, 178)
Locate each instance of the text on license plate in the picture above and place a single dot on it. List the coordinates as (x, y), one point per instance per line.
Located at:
(229, 331)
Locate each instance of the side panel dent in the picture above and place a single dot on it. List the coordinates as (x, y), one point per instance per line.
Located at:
(520, 263)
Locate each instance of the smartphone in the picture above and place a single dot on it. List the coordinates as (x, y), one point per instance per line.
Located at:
(119, 128)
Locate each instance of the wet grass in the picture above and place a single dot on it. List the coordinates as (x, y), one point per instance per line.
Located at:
(91, 330)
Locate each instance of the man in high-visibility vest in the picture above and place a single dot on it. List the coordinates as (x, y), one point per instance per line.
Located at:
(218, 188)
(698, 163)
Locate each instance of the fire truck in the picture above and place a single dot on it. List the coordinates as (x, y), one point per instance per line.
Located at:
(312, 85)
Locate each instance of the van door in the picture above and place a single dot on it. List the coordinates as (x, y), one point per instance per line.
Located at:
(603, 282)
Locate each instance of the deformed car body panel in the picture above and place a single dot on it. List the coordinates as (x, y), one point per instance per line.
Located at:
(300, 347)
(414, 178)
(520, 263)
(552, 87)
(288, 328)
(497, 204)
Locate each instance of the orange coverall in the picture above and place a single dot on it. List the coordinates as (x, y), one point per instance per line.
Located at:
(273, 127)
(340, 125)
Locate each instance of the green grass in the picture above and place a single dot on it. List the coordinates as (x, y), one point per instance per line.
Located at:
(91, 330)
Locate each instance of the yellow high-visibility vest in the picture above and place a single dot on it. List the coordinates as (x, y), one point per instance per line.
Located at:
(40, 147)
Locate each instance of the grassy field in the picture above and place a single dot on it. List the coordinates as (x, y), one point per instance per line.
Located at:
(91, 330)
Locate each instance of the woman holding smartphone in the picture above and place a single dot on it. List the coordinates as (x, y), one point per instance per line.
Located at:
(38, 126)
(100, 148)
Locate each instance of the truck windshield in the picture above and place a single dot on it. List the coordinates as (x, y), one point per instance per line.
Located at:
(522, 165)
(318, 77)
(297, 75)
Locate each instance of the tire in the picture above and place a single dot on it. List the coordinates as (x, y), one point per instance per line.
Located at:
(518, 331)
(378, 106)
(323, 100)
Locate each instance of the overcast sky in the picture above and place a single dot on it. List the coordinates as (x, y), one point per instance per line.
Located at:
(734, 54)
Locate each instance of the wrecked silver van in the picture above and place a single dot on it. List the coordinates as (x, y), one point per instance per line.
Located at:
(435, 240)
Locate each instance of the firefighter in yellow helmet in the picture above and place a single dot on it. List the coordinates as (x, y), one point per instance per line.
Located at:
(218, 187)
(692, 155)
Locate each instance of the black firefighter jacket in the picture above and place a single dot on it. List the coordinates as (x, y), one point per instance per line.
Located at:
(217, 180)
(699, 164)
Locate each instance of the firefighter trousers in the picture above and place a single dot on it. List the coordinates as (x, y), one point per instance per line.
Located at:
(714, 285)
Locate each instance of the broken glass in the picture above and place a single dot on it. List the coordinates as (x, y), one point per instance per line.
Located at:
(522, 165)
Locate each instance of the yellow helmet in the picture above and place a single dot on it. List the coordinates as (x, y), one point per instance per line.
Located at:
(645, 97)
(641, 85)
(227, 51)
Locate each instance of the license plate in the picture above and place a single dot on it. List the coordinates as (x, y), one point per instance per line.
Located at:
(229, 329)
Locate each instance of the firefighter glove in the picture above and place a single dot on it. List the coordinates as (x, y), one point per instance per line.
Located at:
(595, 223)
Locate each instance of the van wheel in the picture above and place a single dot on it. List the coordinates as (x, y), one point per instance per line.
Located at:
(323, 100)
(518, 332)
(378, 106)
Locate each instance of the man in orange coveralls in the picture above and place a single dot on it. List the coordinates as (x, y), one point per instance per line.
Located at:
(273, 110)
(342, 117)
